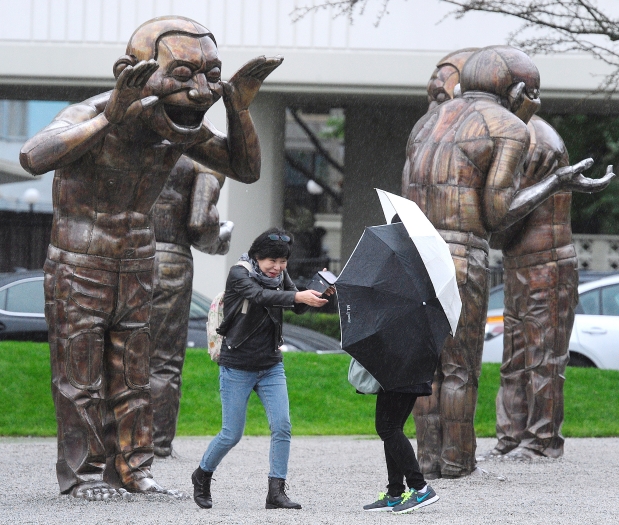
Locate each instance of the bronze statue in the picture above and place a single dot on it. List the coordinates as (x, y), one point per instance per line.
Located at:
(463, 168)
(184, 215)
(541, 293)
(112, 154)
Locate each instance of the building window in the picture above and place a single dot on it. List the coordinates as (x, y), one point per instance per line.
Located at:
(13, 120)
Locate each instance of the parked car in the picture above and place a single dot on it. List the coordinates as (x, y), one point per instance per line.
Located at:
(22, 306)
(22, 316)
(296, 338)
(595, 335)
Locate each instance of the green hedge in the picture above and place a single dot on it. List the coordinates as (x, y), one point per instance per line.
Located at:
(328, 324)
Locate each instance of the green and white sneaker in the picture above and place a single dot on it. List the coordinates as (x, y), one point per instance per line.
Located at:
(412, 500)
(384, 503)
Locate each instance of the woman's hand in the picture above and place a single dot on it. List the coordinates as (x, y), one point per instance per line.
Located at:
(310, 297)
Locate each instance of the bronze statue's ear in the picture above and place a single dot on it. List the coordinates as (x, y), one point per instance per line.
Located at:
(122, 63)
(515, 96)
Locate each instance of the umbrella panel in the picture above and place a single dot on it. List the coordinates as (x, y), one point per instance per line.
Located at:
(391, 321)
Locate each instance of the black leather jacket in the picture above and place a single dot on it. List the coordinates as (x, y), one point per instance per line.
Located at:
(236, 326)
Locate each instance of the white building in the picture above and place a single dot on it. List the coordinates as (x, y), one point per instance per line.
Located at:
(64, 50)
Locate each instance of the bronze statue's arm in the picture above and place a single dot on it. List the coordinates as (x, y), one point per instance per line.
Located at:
(541, 162)
(568, 178)
(67, 138)
(236, 155)
(76, 129)
(203, 222)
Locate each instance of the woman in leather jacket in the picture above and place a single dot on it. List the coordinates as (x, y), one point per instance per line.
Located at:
(257, 290)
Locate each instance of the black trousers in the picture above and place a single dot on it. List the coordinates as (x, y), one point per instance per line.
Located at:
(392, 411)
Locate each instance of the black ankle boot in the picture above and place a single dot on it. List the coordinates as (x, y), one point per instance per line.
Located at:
(202, 488)
(277, 497)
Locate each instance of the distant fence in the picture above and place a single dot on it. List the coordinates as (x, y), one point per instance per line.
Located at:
(24, 237)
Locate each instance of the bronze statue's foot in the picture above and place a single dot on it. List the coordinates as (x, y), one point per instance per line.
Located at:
(150, 486)
(432, 475)
(98, 491)
(500, 450)
(453, 473)
(497, 452)
(523, 454)
(165, 453)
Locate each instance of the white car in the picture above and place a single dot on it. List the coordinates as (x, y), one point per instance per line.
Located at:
(595, 337)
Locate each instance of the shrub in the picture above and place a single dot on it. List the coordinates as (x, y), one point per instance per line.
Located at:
(328, 324)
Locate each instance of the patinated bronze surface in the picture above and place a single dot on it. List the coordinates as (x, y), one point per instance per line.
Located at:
(184, 215)
(463, 168)
(112, 154)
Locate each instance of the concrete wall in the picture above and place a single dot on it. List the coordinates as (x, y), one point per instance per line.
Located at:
(376, 138)
(255, 207)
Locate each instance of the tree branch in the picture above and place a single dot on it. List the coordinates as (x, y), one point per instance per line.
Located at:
(309, 175)
(316, 142)
(565, 25)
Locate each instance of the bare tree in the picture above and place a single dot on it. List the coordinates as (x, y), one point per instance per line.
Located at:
(549, 26)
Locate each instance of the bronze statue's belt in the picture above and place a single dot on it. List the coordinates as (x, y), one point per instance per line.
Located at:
(534, 259)
(97, 262)
(469, 240)
(170, 247)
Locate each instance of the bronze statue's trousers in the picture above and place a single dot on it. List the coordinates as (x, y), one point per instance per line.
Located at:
(97, 310)
(541, 293)
(169, 319)
(444, 421)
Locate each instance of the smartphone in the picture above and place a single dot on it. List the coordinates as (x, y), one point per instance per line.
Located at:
(322, 281)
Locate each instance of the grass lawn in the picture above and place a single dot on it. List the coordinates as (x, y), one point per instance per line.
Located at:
(321, 400)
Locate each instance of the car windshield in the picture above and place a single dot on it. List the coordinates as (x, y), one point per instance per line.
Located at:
(200, 306)
(25, 297)
(496, 299)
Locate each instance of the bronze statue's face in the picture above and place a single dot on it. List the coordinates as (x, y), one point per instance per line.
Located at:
(442, 84)
(529, 106)
(187, 84)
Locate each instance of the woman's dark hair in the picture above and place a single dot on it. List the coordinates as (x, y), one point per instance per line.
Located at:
(265, 247)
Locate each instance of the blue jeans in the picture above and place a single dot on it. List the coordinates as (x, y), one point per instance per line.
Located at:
(235, 387)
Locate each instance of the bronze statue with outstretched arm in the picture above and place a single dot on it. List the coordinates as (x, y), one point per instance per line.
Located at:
(112, 155)
(463, 168)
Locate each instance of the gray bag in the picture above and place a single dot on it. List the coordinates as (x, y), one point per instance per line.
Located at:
(361, 379)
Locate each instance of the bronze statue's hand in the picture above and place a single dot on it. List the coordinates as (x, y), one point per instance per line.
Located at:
(125, 103)
(571, 178)
(222, 245)
(241, 89)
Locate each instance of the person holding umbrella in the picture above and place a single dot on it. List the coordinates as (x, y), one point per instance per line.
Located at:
(257, 290)
(398, 302)
(393, 408)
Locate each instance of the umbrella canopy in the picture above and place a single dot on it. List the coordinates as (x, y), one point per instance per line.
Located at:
(433, 251)
(391, 319)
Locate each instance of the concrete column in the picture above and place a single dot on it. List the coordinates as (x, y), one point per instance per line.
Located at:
(376, 137)
(255, 207)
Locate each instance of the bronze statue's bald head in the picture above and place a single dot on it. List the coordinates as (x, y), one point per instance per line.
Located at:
(144, 42)
(446, 76)
(495, 69)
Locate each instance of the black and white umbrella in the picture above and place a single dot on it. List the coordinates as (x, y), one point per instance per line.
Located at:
(392, 317)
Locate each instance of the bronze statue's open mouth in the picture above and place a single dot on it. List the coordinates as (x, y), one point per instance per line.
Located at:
(183, 116)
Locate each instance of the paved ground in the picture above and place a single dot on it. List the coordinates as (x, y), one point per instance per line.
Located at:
(332, 478)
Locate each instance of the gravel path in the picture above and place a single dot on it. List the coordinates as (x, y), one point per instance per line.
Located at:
(332, 477)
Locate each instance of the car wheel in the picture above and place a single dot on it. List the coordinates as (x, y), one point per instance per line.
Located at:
(580, 360)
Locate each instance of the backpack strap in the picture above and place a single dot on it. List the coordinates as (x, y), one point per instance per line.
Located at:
(248, 267)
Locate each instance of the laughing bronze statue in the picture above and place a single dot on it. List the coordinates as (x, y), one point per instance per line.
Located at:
(112, 155)
(463, 168)
(184, 215)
